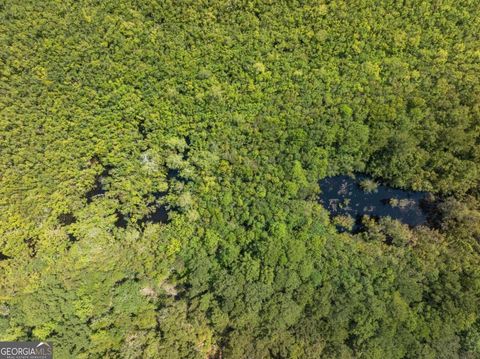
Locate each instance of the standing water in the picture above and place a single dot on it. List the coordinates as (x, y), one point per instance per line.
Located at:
(355, 197)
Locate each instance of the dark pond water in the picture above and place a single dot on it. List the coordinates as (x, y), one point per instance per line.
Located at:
(343, 195)
(159, 216)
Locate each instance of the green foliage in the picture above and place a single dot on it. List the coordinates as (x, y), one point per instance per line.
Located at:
(369, 185)
(224, 115)
(346, 222)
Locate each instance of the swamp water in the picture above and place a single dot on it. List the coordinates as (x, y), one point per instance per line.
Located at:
(343, 195)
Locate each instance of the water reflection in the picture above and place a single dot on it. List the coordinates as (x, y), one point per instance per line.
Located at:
(355, 197)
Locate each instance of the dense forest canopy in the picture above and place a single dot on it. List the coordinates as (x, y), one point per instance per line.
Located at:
(160, 165)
